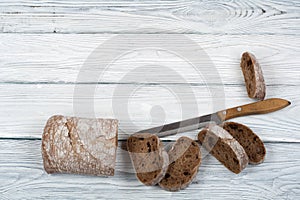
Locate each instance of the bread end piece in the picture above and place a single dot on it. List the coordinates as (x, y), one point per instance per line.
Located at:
(253, 76)
(80, 145)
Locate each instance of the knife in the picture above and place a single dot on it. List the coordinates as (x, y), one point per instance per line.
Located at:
(261, 107)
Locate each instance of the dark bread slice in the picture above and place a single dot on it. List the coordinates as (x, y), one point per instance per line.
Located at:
(253, 76)
(224, 148)
(185, 159)
(252, 144)
(148, 157)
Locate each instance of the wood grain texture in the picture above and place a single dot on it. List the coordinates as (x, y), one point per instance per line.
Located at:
(25, 108)
(260, 107)
(44, 44)
(172, 16)
(51, 58)
(22, 171)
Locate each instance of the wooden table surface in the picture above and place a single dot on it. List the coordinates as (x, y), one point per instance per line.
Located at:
(44, 44)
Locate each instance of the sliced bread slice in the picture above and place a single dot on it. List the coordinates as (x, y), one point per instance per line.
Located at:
(224, 148)
(253, 76)
(252, 144)
(185, 159)
(148, 157)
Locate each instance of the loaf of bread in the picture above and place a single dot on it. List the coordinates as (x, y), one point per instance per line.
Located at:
(148, 157)
(80, 145)
(185, 159)
(253, 76)
(224, 148)
(252, 144)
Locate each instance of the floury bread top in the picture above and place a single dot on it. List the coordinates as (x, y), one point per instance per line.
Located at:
(80, 145)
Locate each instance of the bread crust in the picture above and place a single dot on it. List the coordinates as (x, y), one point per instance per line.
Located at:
(253, 76)
(224, 148)
(80, 145)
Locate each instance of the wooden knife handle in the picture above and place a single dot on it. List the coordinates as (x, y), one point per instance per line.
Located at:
(261, 107)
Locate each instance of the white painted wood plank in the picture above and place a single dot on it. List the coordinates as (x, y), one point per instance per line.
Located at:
(59, 58)
(22, 177)
(217, 17)
(25, 107)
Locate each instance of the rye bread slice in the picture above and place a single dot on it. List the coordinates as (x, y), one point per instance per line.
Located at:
(224, 148)
(253, 76)
(252, 144)
(148, 157)
(185, 159)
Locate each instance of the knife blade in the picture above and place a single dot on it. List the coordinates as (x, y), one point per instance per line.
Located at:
(261, 107)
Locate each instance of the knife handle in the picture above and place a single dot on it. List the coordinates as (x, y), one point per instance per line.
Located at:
(260, 107)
